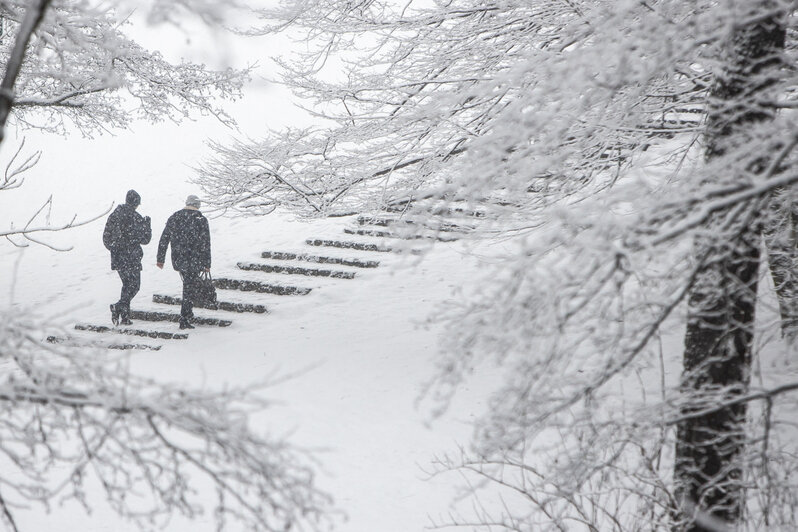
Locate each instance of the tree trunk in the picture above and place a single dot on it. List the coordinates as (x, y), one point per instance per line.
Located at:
(717, 356)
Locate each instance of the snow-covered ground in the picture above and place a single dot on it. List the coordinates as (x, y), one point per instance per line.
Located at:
(358, 346)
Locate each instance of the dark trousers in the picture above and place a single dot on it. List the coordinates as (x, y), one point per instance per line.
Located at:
(131, 282)
(190, 281)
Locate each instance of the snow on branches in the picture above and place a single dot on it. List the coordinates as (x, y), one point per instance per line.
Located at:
(75, 423)
(81, 70)
(625, 149)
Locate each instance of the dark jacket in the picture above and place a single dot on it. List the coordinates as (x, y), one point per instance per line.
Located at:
(125, 232)
(188, 232)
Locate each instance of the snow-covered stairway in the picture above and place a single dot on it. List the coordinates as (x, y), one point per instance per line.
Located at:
(390, 234)
(147, 324)
(357, 263)
(75, 342)
(148, 315)
(422, 222)
(360, 246)
(437, 210)
(255, 286)
(227, 306)
(437, 223)
(295, 270)
(262, 288)
(108, 336)
(163, 335)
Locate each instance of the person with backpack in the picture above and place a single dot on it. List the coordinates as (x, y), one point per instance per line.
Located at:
(188, 232)
(125, 232)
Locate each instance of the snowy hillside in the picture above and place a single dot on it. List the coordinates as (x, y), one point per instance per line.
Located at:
(354, 346)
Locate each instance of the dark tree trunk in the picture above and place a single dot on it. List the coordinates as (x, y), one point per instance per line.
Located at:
(717, 356)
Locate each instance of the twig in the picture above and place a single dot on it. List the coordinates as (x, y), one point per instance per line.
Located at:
(763, 394)
(7, 514)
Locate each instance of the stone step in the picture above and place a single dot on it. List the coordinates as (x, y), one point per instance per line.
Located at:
(349, 245)
(220, 305)
(432, 225)
(147, 315)
(295, 270)
(75, 342)
(133, 332)
(437, 211)
(387, 234)
(357, 263)
(261, 288)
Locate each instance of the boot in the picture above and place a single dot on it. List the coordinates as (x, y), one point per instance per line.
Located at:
(124, 317)
(114, 315)
(184, 324)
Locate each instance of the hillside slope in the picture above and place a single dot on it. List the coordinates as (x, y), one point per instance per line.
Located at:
(355, 347)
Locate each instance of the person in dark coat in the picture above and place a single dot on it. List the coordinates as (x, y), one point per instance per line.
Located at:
(125, 232)
(188, 232)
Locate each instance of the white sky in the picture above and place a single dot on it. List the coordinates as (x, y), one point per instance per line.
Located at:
(86, 175)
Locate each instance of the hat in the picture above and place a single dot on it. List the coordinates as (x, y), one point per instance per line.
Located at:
(192, 201)
(132, 198)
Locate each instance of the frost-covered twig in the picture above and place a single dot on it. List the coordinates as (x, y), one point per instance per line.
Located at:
(28, 229)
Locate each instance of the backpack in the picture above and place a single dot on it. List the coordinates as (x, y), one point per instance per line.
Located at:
(112, 233)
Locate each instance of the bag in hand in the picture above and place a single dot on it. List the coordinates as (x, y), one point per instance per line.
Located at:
(205, 292)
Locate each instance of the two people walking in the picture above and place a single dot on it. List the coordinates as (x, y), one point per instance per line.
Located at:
(187, 232)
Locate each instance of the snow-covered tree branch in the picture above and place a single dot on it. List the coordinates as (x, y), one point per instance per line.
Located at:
(82, 71)
(74, 421)
(641, 158)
